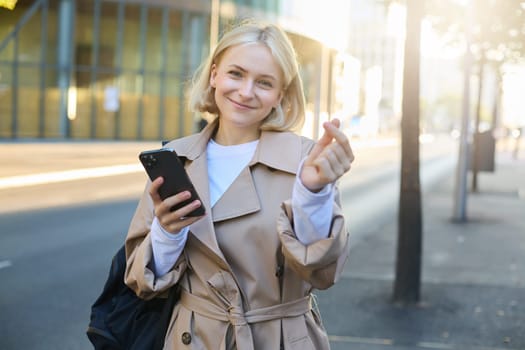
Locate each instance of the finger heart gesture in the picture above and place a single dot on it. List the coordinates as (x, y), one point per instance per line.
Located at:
(329, 159)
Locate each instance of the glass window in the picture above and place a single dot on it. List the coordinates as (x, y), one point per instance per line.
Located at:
(175, 44)
(130, 95)
(153, 43)
(51, 38)
(5, 100)
(151, 105)
(28, 113)
(52, 103)
(131, 40)
(108, 43)
(79, 111)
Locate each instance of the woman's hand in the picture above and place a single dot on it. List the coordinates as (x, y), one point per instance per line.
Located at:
(173, 221)
(329, 159)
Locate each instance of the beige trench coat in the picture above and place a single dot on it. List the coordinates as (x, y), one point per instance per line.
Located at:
(246, 278)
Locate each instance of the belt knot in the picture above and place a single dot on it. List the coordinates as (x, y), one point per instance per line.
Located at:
(236, 316)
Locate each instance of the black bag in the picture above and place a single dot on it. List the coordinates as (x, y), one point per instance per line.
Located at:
(122, 321)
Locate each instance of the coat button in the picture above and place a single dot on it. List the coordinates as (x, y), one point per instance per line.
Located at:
(186, 338)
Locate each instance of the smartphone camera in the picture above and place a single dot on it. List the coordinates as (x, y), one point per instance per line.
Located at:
(150, 161)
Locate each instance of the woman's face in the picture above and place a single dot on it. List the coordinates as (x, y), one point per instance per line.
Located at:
(248, 84)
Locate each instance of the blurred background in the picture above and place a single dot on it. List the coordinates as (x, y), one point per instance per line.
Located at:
(430, 92)
(117, 69)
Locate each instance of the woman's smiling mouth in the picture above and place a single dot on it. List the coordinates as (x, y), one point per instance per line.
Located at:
(240, 105)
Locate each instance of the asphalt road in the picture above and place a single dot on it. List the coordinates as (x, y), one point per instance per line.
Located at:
(57, 239)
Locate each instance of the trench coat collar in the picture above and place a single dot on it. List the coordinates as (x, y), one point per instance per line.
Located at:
(277, 150)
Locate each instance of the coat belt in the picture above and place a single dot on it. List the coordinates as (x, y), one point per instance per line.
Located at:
(239, 319)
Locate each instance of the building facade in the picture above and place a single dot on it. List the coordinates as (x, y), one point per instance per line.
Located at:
(118, 69)
(377, 42)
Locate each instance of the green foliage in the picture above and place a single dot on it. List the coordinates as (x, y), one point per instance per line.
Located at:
(496, 28)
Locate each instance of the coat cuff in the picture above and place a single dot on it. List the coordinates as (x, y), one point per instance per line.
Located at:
(321, 262)
(142, 279)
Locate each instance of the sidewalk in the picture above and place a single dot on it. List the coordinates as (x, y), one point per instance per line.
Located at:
(73, 171)
(473, 288)
(24, 158)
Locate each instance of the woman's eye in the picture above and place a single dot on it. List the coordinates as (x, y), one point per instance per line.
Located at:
(235, 73)
(265, 83)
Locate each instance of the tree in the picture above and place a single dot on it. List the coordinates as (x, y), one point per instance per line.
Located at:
(409, 244)
(496, 35)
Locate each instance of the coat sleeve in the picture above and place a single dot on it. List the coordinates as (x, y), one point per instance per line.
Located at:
(321, 262)
(139, 254)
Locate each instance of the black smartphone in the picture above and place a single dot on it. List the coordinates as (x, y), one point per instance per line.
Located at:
(166, 163)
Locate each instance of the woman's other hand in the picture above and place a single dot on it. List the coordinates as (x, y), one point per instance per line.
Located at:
(329, 159)
(173, 221)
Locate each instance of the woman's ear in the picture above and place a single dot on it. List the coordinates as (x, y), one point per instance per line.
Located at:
(213, 74)
(279, 99)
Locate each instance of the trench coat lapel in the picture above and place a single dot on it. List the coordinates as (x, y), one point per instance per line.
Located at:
(276, 150)
(193, 148)
(203, 229)
(279, 151)
(240, 198)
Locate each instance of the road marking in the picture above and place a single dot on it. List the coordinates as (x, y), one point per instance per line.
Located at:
(429, 345)
(359, 340)
(391, 342)
(5, 263)
(67, 175)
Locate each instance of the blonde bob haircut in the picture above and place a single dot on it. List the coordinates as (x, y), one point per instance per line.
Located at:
(289, 115)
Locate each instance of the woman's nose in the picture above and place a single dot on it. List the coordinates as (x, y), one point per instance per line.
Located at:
(246, 88)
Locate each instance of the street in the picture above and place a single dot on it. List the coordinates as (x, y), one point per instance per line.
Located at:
(57, 239)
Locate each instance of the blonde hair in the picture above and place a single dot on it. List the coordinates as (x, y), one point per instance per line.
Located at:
(289, 115)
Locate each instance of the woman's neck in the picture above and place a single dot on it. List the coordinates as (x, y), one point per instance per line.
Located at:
(228, 136)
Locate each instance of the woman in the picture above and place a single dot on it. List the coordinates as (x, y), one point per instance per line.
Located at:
(273, 229)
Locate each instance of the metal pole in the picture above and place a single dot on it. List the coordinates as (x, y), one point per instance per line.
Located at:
(118, 63)
(192, 56)
(214, 23)
(163, 71)
(64, 53)
(43, 70)
(142, 69)
(320, 104)
(476, 140)
(94, 68)
(14, 96)
(460, 193)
